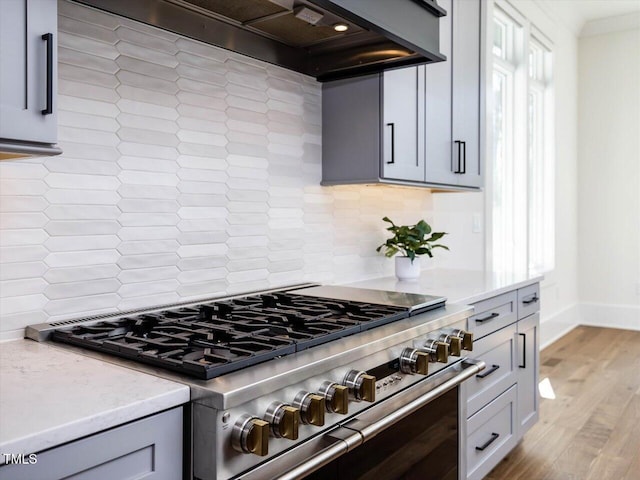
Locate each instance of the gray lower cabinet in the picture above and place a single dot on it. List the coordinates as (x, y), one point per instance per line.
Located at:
(491, 434)
(528, 362)
(500, 404)
(149, 449)
(28, 73)
(415, 125)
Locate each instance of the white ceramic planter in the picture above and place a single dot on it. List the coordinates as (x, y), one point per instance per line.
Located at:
(406, 269)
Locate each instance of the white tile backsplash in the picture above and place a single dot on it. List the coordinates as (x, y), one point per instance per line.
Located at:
(188, 171)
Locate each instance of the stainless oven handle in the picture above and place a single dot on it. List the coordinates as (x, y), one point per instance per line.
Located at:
(331, 453)
(470, 368)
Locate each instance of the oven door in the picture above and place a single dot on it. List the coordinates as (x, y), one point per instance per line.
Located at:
(412, 435)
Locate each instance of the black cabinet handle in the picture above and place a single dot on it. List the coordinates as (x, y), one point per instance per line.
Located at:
(491, 316)
(488, 372)
(462, 157)
(459, 143)
(524, 347)
(48, 37)
(393, 142)
(494, 437)
(533, 299)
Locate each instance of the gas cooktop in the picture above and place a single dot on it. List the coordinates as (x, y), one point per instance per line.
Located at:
(210, 339)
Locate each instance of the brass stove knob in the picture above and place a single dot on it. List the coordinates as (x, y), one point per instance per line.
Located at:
(454, 343)
(311, 408)
(361, 385)
(336, 397)
(283, 419)
(414, 361)
(438, 351)
(467, 339)
(250, 435)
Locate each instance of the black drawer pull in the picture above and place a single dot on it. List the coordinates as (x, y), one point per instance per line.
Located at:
(488, 372)
(524, 350)
(487, 318)
(533, 299)
(494, 437)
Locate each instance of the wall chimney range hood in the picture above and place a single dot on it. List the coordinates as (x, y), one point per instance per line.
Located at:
(326, 39)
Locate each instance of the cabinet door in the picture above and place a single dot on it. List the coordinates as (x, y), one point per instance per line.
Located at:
(466, 92)
(147, 449)
(438, 160)
(23, 70)
(400, 138)
(528, 366)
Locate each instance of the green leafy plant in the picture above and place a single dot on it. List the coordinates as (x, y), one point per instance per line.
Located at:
(411, 240)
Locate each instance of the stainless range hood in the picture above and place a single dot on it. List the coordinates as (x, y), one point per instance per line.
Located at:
(300, 34)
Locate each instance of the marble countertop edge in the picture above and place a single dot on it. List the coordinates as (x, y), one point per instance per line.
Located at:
(86, 426)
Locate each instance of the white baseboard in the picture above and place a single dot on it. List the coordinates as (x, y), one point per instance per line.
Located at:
(610, 315)
(555, 326)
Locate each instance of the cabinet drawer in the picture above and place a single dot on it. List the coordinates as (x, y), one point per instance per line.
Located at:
(528, 300)
(491, 434)
(498, 351)
(493, 314)
(149, 449)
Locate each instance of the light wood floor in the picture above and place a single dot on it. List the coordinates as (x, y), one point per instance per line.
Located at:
(591, 431)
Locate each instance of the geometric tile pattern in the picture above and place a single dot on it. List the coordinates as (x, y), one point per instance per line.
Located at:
(188, 171)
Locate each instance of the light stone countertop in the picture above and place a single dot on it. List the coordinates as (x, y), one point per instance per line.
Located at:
(459, 286)
(49, 396)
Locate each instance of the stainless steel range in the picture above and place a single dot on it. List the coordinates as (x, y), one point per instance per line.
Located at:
(290, 382)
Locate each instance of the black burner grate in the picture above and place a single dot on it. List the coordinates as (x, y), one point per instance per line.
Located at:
(212, 339)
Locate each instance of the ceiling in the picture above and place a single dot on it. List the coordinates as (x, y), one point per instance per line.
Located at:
(577, 13)
(588, 10)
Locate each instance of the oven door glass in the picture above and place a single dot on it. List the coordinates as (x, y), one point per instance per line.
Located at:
(422, 446)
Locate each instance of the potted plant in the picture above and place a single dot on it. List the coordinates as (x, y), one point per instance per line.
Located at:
(411, 241)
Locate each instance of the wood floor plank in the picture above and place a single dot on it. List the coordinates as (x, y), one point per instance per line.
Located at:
(591, 430)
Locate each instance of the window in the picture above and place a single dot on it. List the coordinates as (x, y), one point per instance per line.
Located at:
(540, 160)
(522, 187)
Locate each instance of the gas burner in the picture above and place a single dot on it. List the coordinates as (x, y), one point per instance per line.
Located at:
(214, 338)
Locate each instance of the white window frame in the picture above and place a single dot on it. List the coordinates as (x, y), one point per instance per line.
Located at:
(545, 181)
(517, 65)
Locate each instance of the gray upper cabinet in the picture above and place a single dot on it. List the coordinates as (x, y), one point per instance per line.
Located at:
(402, 139)
(415, 125)
(438, 94)
(28, 77)
(453, 100)
(466, 56)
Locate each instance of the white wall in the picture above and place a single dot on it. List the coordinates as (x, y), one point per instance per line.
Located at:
(188, 171)
(609, 174)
